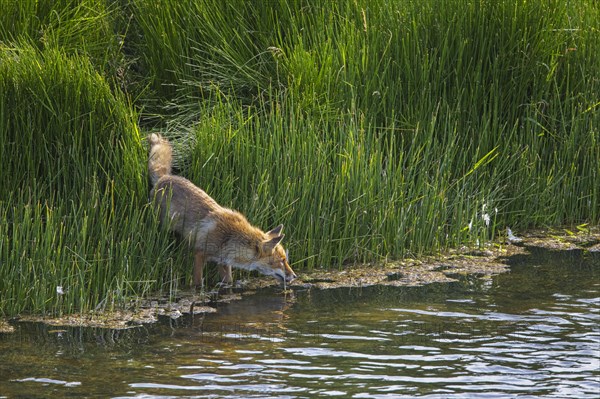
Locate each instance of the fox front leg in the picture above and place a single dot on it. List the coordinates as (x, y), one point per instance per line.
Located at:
(225, 273)
(197, 278)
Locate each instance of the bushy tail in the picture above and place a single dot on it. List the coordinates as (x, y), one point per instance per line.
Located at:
(160, 157)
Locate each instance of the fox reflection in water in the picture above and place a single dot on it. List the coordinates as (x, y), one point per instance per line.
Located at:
(260, 316)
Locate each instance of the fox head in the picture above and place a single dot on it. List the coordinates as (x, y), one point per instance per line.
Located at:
(272, 259)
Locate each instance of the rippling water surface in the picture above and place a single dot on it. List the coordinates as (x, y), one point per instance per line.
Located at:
(531, 332)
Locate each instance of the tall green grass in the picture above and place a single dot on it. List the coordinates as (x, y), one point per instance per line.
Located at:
(84, 27)
(370, 129)
(445, 84)
(73, 210)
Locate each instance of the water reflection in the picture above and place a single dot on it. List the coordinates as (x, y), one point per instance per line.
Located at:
(531, 332)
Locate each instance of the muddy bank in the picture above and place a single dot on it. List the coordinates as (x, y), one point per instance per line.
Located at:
(482, 262)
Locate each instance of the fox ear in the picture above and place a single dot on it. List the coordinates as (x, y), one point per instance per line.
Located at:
(269, 246)
(276, 231)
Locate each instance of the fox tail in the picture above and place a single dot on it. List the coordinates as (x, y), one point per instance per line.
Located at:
(160, 158)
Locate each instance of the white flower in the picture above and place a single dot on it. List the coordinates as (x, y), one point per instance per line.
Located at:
(59, 290)
(486, 219)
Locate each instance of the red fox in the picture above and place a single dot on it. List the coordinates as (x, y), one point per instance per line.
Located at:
(215, 233)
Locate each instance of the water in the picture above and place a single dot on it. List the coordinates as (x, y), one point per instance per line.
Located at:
(531, 332)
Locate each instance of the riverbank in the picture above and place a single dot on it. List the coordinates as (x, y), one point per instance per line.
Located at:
(444, 268)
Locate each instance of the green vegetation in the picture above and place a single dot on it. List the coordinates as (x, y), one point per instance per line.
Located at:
(371, 129)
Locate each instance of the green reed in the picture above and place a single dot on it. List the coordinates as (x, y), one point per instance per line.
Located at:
(74, 213)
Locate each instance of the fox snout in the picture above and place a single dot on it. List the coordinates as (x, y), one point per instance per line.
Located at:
(289, 273)
(284, 273)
